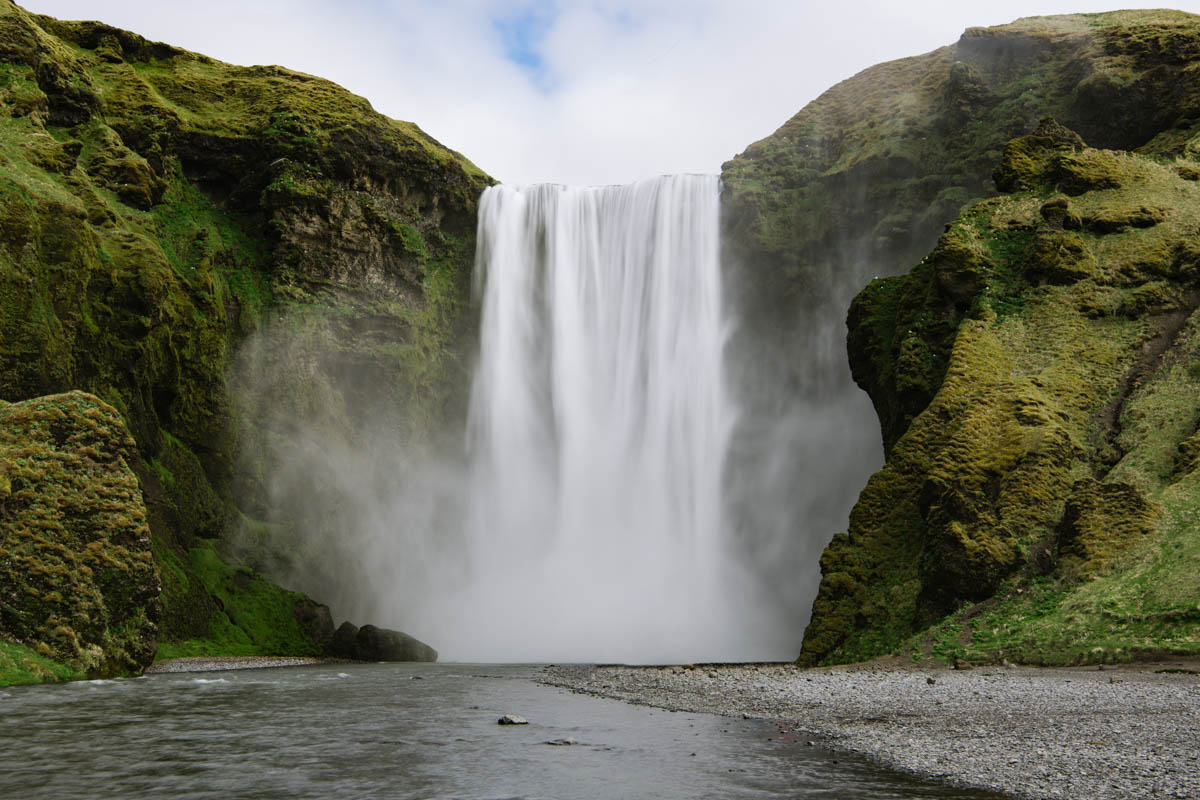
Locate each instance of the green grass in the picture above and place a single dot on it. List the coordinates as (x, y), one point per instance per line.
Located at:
(21, 665)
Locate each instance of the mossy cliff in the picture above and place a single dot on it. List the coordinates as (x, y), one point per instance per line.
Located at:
(1041, 503)
(869, 172)
(1005, 368)
(860, 184)
(157, 208)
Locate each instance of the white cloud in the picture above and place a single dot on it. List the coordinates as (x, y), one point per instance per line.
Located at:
(631, 88)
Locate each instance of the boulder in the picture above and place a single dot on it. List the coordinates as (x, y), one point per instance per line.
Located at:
(381, 644)
(315, 619)
(77, 577)
(342, 643)
(371, 643)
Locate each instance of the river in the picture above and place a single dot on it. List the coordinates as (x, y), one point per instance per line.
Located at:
(401, 731)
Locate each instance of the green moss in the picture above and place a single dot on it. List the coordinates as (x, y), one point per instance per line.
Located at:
(74, 543)
(200, 510)
(164, 474)
(255, 617)
(412, 241)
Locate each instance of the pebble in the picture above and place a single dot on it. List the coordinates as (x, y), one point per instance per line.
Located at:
(1030, 733)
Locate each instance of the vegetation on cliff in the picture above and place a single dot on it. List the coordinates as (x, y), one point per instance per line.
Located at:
(1041, 504)
(869, 172)
(77, 581)
(156, 208)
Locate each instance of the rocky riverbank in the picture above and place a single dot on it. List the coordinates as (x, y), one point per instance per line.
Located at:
(1115, 732)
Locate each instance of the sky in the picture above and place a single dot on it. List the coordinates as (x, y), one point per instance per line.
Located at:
(574, 91)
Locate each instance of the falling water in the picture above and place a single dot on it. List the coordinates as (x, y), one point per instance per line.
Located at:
(598, 431)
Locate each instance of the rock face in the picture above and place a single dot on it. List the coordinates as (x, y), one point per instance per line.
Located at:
(872, 169)
(1005, 452)
(77, 579)
(1040, 505)
(370, 643)
(860, 184)
(157, 208)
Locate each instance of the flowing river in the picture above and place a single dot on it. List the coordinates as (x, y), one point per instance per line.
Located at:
(400, 731)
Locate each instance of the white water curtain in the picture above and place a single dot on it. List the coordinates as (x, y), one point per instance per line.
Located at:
(598, 430)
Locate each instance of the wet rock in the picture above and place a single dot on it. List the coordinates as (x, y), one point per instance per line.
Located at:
(371, 643)
(380, 644)
(512, 719)
(566, 742)
(315, 619)
(343, 640)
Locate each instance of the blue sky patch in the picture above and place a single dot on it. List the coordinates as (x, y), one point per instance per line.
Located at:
(522, 32)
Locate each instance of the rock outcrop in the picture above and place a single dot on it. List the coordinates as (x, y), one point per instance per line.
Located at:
(77, 578)
(370, 643)
(1011, 461)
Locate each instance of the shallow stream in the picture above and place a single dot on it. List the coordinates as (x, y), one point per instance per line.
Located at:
(400, 731)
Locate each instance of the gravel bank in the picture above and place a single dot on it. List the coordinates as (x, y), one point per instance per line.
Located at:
(1085, 734)
(224, 663)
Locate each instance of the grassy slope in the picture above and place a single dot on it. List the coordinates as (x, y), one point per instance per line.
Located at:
(150, 203)
(21, 665)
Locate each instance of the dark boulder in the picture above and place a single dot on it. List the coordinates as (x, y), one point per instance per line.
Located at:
(370, 643)
(381, 644)
(315, 619)
(342, 643)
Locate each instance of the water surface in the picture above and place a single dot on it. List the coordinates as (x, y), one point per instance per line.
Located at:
(400, 731)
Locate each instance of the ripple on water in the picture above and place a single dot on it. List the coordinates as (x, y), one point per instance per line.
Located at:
(311, 733)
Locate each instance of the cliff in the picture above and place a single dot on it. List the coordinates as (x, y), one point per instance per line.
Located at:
(859, 184)
(157, 210)
(1034, 374)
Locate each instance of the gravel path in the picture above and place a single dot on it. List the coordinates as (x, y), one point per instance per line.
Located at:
(224, 663)
(1084, 734)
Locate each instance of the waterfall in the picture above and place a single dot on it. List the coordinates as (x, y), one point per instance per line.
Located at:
(598, 431)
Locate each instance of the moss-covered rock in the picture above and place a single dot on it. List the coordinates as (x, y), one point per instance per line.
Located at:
(1029, 490)
(79, 581)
